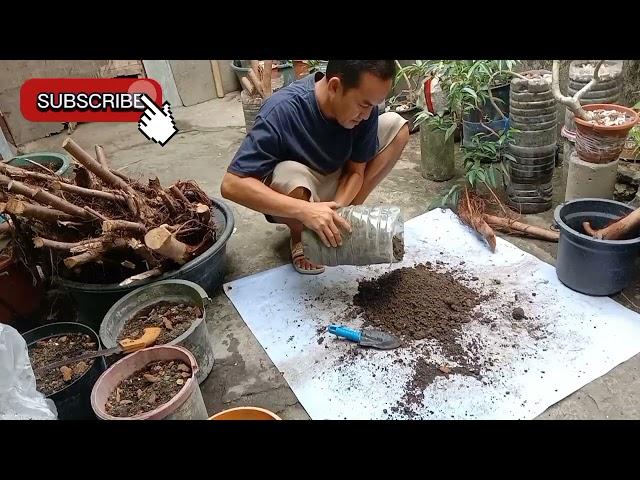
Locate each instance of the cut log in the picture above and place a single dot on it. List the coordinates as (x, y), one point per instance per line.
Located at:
(203, 212)
(163, 242)
(35, 212)
(22, 173)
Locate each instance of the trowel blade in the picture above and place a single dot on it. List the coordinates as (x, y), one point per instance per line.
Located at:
(378, 339)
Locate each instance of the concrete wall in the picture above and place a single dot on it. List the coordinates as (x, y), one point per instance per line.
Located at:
(13, 74)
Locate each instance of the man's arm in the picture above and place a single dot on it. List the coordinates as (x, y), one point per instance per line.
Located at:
(318, 216)
(350, 183)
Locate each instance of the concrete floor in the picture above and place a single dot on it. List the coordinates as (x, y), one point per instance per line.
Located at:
(243, 374)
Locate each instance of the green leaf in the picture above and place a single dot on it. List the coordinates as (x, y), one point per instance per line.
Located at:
(449, 132)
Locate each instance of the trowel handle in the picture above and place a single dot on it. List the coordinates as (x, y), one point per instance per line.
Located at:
(345, 332)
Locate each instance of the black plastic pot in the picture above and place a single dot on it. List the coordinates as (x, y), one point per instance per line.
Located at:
(588, 265)
(207, 270)
(74, 401)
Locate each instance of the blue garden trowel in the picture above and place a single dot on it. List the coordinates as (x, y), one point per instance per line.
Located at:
(367, 337)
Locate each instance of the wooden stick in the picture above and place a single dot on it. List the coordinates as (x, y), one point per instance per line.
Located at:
(115, 225)
(42, 196)
(87, 192)
(266, 78)
(154, 272)
(100, 156)
(98, 215)
(94, 253)
(168, 201)
(40, 242)
(162, 241)
(93, 166)
(509, 224)
(248, 86)
(256, 83)
(36, 212)
(12, 171)
(178, 194)
(217, 78)
(120, 175)
(255, 67)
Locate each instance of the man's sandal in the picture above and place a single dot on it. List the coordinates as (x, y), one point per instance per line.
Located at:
(297, 253)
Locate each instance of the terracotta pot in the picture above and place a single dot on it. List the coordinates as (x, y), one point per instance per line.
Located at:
(600, 143)
(245, 413)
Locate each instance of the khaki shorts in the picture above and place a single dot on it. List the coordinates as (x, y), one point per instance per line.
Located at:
(289, 175)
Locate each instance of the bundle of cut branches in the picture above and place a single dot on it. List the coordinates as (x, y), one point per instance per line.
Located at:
(102, 226)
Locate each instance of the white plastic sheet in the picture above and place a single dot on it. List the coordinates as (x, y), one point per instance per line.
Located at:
(19, 399)
(568, 339)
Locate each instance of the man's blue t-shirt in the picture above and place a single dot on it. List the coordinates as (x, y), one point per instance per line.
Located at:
(290, 126)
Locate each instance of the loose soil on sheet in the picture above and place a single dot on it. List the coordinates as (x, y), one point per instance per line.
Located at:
(55, 349)
(148, 388)
(173, 318)
(418, 303)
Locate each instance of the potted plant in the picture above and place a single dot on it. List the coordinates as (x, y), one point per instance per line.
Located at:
(437, 149)
(601, 134)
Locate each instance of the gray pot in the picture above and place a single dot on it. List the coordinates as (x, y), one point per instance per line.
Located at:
(586, 264)
(195, 339)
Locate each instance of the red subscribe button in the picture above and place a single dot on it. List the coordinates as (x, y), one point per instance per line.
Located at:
(86, 99)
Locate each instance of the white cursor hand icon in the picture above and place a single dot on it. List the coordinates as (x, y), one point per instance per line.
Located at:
(157, 124)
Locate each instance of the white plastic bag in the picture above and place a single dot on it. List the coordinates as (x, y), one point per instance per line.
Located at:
(19, 399)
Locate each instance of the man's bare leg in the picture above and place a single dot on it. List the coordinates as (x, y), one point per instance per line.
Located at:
(378, 168)
(296, 227)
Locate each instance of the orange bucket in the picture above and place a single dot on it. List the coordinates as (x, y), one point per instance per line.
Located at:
(245, 413)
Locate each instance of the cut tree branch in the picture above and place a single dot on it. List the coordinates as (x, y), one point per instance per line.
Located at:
(42, 196)
(35, 212)
(508, 225)
(100, 156)
(87, 192)
(115, 225)
(162, 241)
(94, 253)
(573, 103)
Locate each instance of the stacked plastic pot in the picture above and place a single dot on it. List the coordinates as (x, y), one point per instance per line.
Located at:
(533, 118)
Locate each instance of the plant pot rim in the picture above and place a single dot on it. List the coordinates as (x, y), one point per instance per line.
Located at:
(159, 412)
(570, 231)
(608, 128)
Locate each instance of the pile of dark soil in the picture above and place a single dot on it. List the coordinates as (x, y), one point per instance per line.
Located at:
(418, 303)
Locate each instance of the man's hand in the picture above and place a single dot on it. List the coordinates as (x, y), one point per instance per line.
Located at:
(322, 218)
